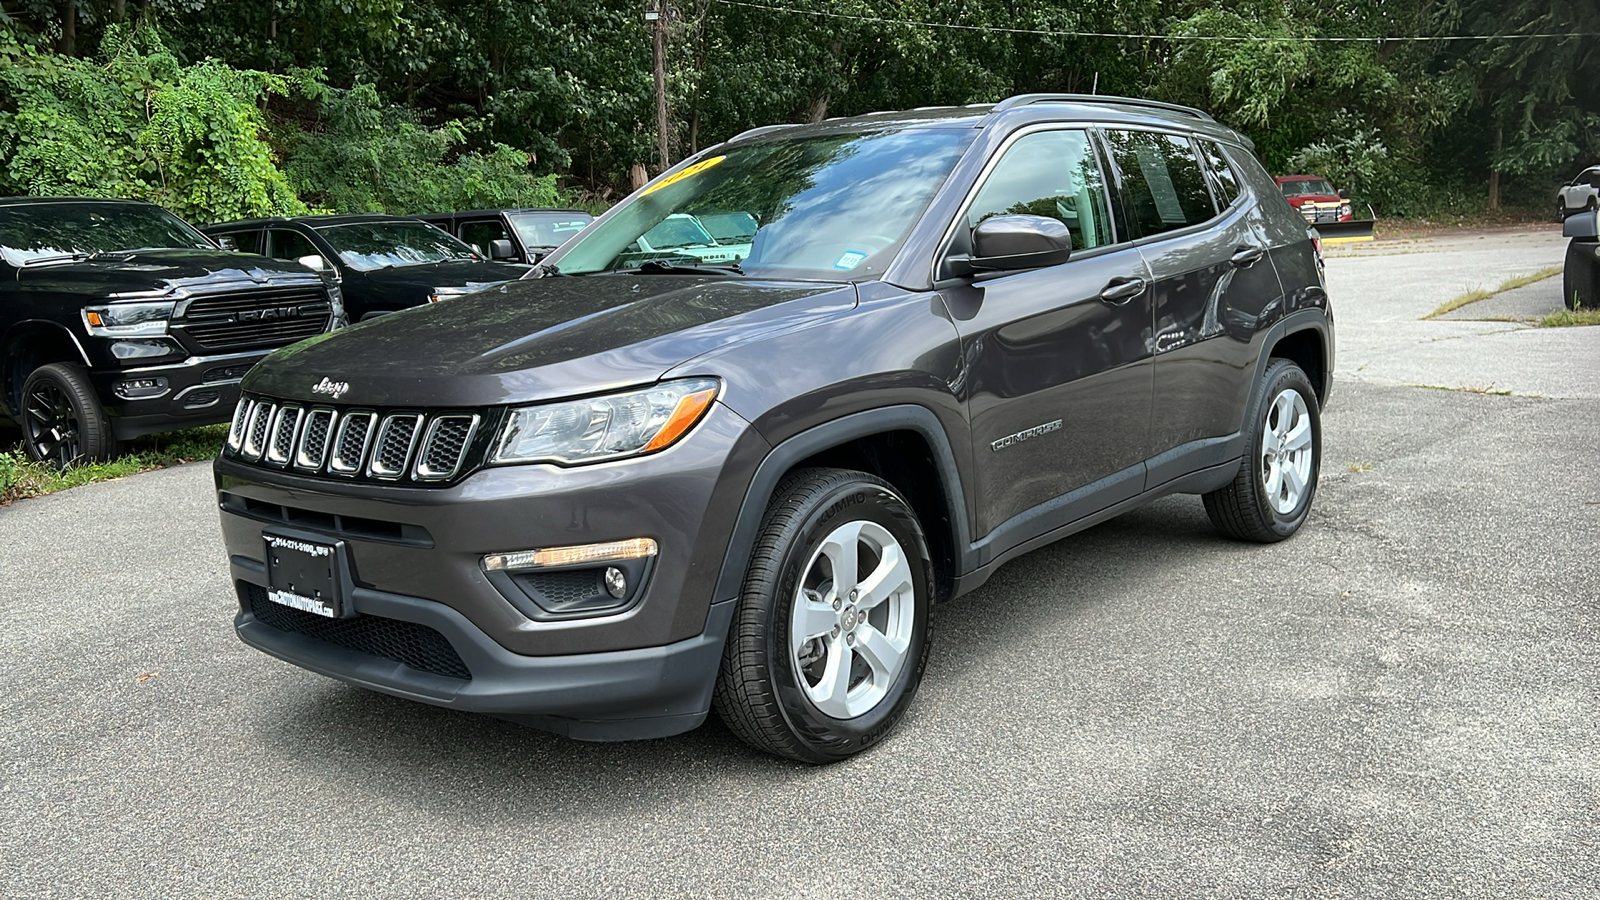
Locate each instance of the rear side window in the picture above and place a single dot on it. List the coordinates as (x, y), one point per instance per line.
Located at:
(1053, 174)
(1162, 183)
(1223, 181)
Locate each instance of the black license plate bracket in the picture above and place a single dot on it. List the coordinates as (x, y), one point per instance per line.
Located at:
(308, 573)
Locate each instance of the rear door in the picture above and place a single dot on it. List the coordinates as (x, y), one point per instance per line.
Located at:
(1209, 264)
(1058, 364)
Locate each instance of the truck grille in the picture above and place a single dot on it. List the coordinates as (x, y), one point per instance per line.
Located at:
(253, 319)
(404, 446)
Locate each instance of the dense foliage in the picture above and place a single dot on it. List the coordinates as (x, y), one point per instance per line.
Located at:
(220, 108)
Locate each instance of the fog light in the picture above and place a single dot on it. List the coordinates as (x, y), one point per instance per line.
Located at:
(142, 349)
(616, 583)
(141, 388)
(633, 548)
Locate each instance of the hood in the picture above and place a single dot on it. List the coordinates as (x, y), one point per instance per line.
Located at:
(529, 341)
(161, 271)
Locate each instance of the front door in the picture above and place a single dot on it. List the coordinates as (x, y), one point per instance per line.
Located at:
(1058, 363)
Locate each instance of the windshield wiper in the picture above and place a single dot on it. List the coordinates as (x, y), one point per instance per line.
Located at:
(668, 267)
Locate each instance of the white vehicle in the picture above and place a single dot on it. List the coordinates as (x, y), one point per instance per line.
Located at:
(684, 235)
(1581, 193)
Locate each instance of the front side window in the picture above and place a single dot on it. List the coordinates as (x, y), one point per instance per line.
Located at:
(831, 207)
(1053, 174)
(365, 246)
(481, 233)
(40, 233)
(245, 241)
(543, 230)
(290, 245)
(1162, 184)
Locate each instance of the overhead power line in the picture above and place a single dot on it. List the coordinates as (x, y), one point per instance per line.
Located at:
(1229, 38)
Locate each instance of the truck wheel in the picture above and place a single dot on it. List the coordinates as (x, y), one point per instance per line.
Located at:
(830, 637)
(62, 420)
(1270, 497)
(1578, 276)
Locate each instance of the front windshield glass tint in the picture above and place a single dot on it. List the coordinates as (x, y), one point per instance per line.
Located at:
(547, 229)
(35, 233)
(832, 208)
(365, 246)
(1300, 187)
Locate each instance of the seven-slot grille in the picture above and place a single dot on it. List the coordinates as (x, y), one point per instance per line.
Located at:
(353, 443)
(265, 317)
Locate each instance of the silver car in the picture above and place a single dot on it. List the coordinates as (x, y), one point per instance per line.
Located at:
(1581, 193)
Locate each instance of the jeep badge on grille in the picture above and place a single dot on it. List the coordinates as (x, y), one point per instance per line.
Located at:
(334, 389)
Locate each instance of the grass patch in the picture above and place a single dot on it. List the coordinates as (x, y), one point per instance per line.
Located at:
(1567, 317)
(22, 477)
(1509, 284)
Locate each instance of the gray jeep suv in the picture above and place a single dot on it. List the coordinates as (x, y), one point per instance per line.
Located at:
(610, 499)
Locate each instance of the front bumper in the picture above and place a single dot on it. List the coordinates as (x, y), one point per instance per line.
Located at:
(200, 390)
(416, 555)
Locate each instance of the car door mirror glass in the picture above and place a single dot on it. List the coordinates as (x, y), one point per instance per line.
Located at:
(227, 243)
(1012, 243)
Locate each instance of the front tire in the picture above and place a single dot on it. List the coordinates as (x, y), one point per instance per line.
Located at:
(63, 422)
(1270, 497)
(830, 637)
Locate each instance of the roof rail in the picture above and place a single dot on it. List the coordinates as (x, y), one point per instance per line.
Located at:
(1029, 99)
(762, 129)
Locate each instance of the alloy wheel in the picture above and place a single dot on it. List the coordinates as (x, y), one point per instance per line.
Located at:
(1286, 451)
(853, 619)
(52, 424)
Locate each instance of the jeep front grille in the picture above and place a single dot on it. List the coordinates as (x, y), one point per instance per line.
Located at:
(253, 319)
(405, 446)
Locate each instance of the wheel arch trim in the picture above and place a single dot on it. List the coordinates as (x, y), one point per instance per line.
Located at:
(783, 457)
(21, 330)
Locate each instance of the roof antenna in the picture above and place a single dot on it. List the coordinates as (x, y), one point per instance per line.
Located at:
(1096, 88)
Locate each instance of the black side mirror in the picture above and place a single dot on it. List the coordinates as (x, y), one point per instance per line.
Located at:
(502, 250)
(1015, 243)
(227, 243)
(1344, 195)
(1582, 225)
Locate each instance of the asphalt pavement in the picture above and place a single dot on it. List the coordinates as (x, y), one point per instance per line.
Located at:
(1399, 702)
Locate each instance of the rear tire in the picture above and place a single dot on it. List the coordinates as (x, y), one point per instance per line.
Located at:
(830, 637)
(63, 422)
(1270, 497)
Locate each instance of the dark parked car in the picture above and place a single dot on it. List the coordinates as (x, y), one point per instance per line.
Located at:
(383, 263)
(618, 496)
(118, 319)
(1580, 276)
(512, 235)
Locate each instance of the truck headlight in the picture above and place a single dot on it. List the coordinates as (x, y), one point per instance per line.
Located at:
(609, 427)
(128, 319)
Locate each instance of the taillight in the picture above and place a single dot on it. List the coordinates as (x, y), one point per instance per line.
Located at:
(1316, 244)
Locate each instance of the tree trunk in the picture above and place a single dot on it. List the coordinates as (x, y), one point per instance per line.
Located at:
(119, 11)
(69, 28)
(818, 109)
(1494, 169)
(661, 89)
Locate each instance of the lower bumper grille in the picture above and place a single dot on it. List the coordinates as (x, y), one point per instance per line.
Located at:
(407, 643)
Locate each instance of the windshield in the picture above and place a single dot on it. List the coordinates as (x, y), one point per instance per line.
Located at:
(40, 232)
(831, 208)
(548, 229)
(1300, 187)
(365, 246)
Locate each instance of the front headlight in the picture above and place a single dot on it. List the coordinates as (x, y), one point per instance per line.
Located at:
(609, 427)
(128, 319)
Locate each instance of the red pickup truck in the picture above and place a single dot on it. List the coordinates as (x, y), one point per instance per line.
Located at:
(1315, 198)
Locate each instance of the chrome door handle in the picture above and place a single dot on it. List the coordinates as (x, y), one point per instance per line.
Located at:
(1122, 290)
(1244, 257)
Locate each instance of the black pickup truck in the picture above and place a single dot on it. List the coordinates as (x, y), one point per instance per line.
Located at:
(118, 319)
